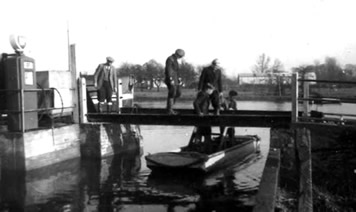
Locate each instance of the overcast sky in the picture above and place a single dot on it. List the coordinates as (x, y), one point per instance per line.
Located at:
(135, 31)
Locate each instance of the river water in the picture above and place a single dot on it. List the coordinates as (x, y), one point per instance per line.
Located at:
(124, 183)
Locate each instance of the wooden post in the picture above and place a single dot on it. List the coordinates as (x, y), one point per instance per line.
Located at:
(303, 141)
(73, 70)
(267, 195)
(83, 110)
(295, 89)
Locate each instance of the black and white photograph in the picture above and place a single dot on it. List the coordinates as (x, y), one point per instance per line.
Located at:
(177, 106)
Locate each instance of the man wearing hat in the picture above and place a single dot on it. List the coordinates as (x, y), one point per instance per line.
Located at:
(171, 79)
(105, 80)
(212, 75)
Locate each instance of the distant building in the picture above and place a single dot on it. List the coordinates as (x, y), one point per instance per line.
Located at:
(258, 79)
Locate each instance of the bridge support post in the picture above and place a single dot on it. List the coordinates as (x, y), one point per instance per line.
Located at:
(304, 163)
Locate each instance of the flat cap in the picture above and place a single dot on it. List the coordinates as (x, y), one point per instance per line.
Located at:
(110, 59)
(180, 52)
(215, 62)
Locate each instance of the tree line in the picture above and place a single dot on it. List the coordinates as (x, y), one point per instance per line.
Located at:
(151, 73)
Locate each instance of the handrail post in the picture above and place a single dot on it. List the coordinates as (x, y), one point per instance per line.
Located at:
(119, 95)
(305, 96)
(294, 97)
(73, 71)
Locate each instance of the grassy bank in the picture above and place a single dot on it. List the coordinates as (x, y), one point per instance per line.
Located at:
(333, 169)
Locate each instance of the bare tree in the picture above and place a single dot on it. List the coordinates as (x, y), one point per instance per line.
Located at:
(154, 73)
(277, 66)
(350, 71)
(262, 64)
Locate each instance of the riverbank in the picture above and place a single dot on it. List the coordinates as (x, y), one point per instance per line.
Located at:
(333, 169)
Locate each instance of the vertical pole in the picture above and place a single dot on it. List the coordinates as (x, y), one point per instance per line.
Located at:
(305, 96)
(74, 83)
(295, 97)
(119, 95)
(303, 141)
(82, 100)
(132, 90)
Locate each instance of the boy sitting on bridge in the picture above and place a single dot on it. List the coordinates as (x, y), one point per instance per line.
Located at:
(229, 103)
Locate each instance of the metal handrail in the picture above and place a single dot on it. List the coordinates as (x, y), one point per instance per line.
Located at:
(26, 90)
(36, 110)
(328, 81)
(306, 99)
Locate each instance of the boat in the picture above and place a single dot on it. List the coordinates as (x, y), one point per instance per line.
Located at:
(221, 151)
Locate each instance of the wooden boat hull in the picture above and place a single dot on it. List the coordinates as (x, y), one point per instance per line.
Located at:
(178, 160)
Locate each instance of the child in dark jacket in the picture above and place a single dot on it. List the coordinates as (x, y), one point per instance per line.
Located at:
(201, 103)
(201, 107)
(229, 103)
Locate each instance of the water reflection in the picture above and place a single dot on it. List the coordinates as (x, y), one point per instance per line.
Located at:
(123, 182)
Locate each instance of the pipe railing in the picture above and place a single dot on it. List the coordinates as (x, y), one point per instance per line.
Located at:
(306, 99)
(31, 110)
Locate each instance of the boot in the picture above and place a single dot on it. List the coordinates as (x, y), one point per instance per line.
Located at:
(100, 107)
(170, 102)
(217, 111)
(109, 107)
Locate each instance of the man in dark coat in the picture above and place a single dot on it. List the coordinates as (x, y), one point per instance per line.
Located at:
(212, 75)
(105, 80)
(171, 79)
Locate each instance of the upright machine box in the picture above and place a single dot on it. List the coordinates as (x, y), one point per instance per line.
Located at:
(20, 78)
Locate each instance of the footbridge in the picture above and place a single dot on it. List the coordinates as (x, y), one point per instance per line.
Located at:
(300, 114)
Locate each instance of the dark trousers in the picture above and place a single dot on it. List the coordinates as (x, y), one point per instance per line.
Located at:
(105, 92)
(201, 103)
(215, 100)
(173, 91)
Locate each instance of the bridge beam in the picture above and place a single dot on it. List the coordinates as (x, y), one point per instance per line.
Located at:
(188, 118)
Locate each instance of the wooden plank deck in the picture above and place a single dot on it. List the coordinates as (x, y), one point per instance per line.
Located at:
(268, 190)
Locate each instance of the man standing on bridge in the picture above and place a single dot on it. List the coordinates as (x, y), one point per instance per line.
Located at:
(105, 80)
(171, 79)
(212, 75)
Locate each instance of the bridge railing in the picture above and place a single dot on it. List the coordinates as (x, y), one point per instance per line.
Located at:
(303, 100)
